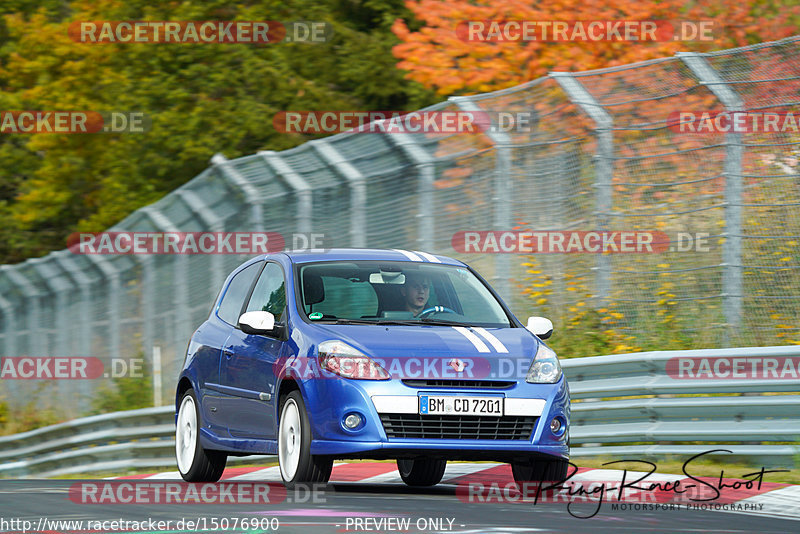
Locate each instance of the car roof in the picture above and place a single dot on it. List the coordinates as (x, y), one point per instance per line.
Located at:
(343, 254)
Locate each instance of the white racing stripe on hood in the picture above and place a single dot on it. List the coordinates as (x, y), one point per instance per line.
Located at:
(475, 340)
(430, 257)
(410, 255)
(496, 343)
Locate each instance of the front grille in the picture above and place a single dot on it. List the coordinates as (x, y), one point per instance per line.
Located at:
(408, 425)
(477, 384)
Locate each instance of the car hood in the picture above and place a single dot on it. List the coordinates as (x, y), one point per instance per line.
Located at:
(486, 352)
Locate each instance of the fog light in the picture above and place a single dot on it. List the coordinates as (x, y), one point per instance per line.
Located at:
(555, 425)
(352, 421)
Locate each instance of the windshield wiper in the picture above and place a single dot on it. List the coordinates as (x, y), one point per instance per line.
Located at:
(396, 322)
(354, 321)
(342, 320)
(424, 321)
(442, 322)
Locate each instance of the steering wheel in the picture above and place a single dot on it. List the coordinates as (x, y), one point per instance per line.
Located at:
(440, 309)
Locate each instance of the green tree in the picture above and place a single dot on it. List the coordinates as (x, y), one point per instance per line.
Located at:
(201, 98)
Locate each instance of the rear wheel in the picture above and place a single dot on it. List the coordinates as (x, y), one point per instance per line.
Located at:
(540, 469)
(421, 471)
(194, 462)
(296, 462)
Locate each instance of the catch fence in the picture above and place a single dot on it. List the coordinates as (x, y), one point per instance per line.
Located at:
(600, 155)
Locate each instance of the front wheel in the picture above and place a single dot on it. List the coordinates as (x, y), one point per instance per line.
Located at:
(194, 462)
(540, 470)
(296, 462)
(421, 471)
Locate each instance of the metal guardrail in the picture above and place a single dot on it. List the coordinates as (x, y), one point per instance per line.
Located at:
(110, 442)
(644, 373)
(608, 408)
(757, 425)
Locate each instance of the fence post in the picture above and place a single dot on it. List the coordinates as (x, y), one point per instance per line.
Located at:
(83, 282)
(147, 302)
(181, 274)
(503, 193)
(427, 174)
(31, 293)
(112, 276)
(252, 197)
(10, 346)
(603, 166)
(214, 223)
(301, 188)
(732, 247)
(58, 288)
(358, 190)
(84, 331)
(157, 397)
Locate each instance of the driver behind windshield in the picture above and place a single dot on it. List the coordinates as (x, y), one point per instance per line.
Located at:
(415, 291)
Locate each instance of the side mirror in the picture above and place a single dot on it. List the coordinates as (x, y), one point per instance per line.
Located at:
(541, 326)
(257, 322)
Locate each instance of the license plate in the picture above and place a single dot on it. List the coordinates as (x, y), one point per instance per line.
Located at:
(452, 405)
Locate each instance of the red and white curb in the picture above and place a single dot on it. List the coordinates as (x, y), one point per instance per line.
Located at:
(771, 499)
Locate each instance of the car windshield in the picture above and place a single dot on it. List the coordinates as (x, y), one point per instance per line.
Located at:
(397, 293)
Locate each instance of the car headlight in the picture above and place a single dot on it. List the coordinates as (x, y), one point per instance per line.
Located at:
(545, 368)
(341, 359)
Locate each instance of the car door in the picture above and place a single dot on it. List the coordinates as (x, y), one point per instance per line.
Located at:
(217, 405)
(246, 370)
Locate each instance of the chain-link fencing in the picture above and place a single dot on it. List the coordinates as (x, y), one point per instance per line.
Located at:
(600, 154)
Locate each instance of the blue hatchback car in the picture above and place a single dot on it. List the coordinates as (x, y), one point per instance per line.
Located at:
(369, 354)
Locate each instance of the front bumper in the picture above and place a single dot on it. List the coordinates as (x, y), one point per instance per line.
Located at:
(472, 450)
(370, 440)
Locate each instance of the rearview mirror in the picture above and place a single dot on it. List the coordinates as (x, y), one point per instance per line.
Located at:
(541, 326)
(386, 277)
(257, 322)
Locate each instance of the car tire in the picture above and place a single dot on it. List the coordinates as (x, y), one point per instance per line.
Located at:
(420, 472)
(195, 463)
(540, 469)
(297, 464)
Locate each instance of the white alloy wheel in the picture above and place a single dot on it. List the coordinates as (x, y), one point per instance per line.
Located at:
(186, 434)
(290, 439)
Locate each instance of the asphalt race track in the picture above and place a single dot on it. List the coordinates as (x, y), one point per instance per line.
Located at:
(369, 497)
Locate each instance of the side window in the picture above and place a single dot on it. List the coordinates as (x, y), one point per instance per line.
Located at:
(270, 292)
(237, 291)
(346, 298)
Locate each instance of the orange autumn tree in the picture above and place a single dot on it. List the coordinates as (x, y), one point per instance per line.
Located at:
(652, 171)
(439, 59)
